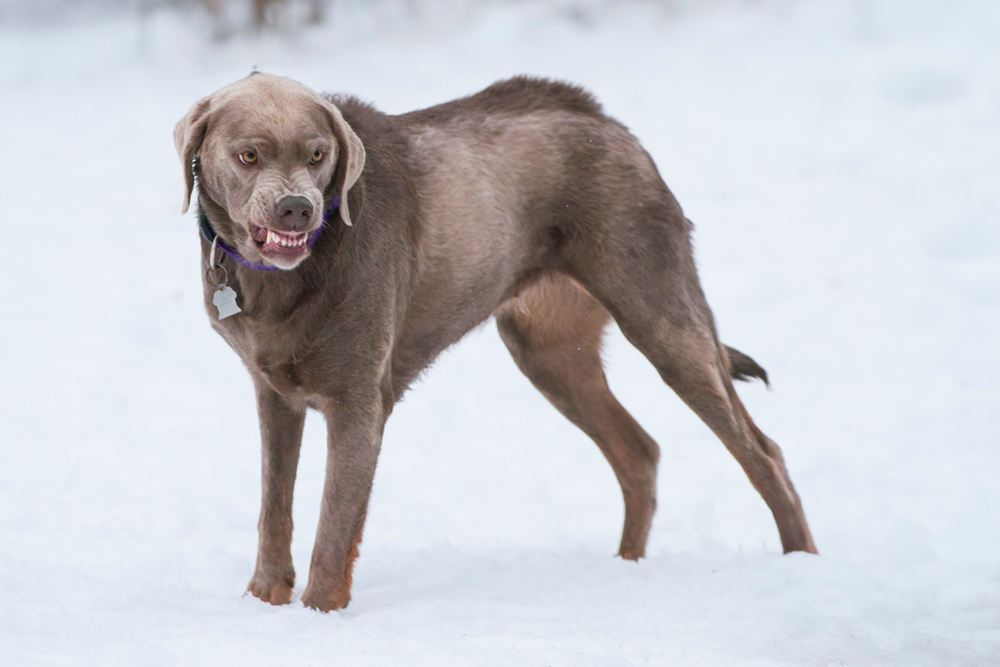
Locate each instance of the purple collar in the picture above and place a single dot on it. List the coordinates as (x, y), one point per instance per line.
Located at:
(210, 235)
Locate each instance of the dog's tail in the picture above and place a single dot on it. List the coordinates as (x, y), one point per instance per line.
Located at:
(743, 368)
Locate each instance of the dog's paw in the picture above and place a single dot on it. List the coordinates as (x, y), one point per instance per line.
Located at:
(274, 590)
(339, 599)
(631, 553)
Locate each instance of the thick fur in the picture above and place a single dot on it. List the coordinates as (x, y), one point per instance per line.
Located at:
(524, 202)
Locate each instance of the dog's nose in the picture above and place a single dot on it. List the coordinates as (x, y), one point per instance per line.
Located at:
(295, 211)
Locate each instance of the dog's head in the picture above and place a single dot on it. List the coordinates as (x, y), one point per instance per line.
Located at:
(271, 152)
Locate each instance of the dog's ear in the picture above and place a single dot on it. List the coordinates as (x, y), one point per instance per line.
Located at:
(188, 135)
(350, 159)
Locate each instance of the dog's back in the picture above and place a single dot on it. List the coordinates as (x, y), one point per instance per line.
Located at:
(517, 96)
(513, 181)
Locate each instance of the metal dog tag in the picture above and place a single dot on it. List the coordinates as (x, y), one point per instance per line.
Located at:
(225, 300)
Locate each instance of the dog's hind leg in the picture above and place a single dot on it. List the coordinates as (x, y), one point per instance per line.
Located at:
(553, 330)
(648, 281)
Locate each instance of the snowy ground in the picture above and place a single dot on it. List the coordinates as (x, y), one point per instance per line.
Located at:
(841, 161)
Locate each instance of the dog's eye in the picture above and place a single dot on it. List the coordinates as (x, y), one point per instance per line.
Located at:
(248, 157)
(317, 157)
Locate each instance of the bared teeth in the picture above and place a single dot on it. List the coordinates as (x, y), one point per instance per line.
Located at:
(283, 240)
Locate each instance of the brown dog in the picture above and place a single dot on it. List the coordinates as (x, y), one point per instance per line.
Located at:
(523, 201)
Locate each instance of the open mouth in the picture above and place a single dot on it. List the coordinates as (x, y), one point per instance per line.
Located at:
(287, 244)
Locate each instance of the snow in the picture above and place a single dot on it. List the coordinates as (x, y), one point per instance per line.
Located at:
(840, 160)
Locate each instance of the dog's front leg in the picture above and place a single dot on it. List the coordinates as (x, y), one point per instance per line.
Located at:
(355, 437)
(281, 437)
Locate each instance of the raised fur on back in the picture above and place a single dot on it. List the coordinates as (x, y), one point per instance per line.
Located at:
(518, 95)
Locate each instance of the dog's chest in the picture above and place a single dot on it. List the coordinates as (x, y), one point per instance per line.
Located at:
(288, 365)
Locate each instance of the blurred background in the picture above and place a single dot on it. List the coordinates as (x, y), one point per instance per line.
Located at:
(840, 160)
(230, 18)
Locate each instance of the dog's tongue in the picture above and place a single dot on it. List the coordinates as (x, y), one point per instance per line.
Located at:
(259, 234)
